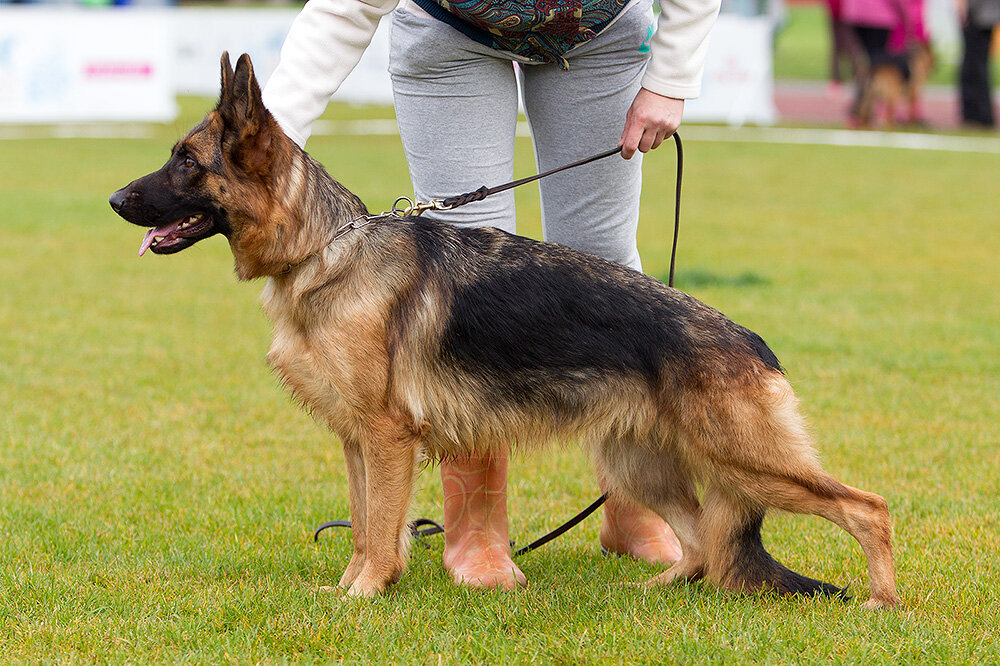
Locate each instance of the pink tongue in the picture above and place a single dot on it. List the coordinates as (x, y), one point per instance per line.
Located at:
(157, 231)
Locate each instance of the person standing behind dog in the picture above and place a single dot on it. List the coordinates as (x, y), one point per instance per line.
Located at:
(978, 18)
(844, 49)
(594, 73)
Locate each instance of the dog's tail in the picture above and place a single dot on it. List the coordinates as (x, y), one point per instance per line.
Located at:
(737, 560)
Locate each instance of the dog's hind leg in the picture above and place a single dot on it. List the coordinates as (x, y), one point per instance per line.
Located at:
(389, 451)
(759, 456)
(654, 476)
(355, 460)
(863, 515)
(736, 558)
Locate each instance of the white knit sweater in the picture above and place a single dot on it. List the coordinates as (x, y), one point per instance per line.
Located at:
(327, 38)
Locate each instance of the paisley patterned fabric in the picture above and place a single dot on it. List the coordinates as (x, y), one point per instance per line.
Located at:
(539, 30)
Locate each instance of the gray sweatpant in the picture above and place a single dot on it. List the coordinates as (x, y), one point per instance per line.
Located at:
(456, 104)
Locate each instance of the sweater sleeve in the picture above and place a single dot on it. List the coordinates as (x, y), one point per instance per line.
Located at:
(323, 46)
(678, 48)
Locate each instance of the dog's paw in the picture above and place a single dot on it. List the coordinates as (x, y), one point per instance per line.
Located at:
(369, 584)
(361, 590)
(351, 573)
(686, 569)
(881, 604)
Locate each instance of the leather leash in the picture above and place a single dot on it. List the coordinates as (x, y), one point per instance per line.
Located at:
(424, 526)
(483, 192)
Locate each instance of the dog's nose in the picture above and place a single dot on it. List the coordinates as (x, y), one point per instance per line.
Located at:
(117, 200)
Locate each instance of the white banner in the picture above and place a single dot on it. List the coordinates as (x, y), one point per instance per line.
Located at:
(738, 86)
(70, 64)
(202, 34)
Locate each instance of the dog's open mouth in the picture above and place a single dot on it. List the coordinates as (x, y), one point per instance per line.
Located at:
(178, 235)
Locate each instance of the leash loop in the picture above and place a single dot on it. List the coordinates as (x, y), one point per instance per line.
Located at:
(416, 209)
(401, 210)
(419, 528)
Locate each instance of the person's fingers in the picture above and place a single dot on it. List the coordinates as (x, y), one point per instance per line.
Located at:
(651, 120)
(631, 138)
(660, 138)
(647, 141)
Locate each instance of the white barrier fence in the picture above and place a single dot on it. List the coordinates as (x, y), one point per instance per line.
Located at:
(127, 64)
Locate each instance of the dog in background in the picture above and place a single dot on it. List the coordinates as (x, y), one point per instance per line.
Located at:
(412, 338)
(895, 84)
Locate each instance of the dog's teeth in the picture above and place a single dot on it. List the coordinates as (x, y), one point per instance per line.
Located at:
(184, 225)
(157, 239)
(193, 219)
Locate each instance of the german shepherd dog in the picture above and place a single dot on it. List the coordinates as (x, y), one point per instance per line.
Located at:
(897, 80)
(411, 338)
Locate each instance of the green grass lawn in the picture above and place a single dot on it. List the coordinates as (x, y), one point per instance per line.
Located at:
(159, 490)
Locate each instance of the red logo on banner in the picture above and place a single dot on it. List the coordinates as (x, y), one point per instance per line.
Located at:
(142, 70)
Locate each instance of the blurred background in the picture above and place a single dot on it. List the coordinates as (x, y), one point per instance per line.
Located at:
(771, 61)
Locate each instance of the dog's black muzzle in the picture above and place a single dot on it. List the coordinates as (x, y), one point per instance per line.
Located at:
(117, 200)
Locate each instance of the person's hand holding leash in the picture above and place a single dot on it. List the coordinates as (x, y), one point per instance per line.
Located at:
(650, 121)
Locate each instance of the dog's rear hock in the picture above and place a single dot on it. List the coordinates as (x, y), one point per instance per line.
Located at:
(736, 558)
(738, 496)
(863, 515)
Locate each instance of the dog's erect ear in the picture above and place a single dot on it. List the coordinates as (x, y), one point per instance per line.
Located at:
(247, 122)
(240, 104)
(226, 81)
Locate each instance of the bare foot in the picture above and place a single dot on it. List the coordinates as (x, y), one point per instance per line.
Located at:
(630, 529)
(476, 541)
(475, 562)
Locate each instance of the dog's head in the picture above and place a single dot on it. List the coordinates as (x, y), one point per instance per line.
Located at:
(218, 179)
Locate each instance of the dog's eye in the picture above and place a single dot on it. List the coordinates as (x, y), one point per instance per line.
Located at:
(189, 162)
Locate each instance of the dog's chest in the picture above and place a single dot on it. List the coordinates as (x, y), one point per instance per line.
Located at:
(295, 359)
(322, 361)
(311, 374)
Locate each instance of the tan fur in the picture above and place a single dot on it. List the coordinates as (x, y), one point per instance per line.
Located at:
(357, 340)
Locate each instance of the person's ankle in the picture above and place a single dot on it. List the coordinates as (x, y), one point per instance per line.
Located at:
(481, 559)
(638, 532)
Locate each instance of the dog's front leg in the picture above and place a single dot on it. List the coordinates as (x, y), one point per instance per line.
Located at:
(355, 460)
(389, 463)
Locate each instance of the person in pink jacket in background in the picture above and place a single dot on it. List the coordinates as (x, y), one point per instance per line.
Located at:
(872, 22)
(908, 35)
(910, 29)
